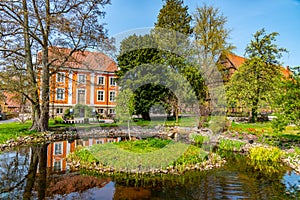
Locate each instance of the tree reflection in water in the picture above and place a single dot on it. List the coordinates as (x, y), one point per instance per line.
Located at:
(30, 173)
(19, 171)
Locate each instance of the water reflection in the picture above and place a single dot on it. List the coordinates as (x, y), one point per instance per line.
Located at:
(41, 172)
(58, 151)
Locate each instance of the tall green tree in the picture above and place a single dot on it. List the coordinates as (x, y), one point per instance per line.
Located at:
(256, 83)
(172, 30)
(174, 16)
(211, 41)
(134, 52)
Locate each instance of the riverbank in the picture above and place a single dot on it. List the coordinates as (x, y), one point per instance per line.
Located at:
(291, 156)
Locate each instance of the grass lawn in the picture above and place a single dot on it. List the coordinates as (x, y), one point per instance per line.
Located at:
(265, 129)
(182, 121)
(14, 130)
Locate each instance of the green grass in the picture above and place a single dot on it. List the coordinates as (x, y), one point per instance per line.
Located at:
(230, 145)
(143, 146)
(142, 154)
(182, 121)
(14, 130)
(265, 129)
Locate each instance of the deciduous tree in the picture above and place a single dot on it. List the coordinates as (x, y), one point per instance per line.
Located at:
(256, 83)
(31, 26)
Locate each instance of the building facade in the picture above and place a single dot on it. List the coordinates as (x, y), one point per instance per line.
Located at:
(87, 78)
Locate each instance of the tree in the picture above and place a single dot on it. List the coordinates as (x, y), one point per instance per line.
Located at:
(288, 104)
(172, 30)
(135, 51)
(125, 107)
(256, 83)
(32, 26)
(211, 41)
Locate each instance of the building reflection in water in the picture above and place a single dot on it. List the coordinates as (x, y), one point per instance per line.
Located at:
(58, 151)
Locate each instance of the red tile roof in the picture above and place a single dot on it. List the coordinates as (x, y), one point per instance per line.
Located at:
(81, 59)
(237, 61)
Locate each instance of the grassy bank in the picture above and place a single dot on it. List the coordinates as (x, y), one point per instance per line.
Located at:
(145, 156)
(14, 130)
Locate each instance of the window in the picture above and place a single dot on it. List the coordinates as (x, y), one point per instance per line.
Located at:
(57, 165)
(60, 94)
(112, 111)
(57, 148)
(99, 142)
(112, 96)
(100, 110)
(100, 80)
(110, 140)
(81, 78)
(59, 111)
(81, 96)
(112, 81)
(60, 77)
(100, 95)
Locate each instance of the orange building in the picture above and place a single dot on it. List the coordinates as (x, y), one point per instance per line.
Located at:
(86, 78)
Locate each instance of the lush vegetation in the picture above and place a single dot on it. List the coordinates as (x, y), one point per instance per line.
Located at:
(230, 145)
(266, 154)
(143, 146)
(14, 130)
(144, 155)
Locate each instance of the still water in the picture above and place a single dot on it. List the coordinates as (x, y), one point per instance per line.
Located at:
(41, 172)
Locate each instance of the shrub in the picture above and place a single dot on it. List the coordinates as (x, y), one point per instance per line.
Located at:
(272, 154)
(58, 120)
(199, 139)
(230, 145)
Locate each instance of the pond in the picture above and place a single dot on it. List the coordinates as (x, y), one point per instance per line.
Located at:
(41, 172)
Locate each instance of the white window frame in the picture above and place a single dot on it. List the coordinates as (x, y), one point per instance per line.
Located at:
(61, 111)
(84, 95)
(62, 148)
(99, 110)
(114, 100)
(60, 165)
(63, 94)
(60, 77)
(98, 78)
(110, 81)
(114, 111)
(98, 95)
(78, 79)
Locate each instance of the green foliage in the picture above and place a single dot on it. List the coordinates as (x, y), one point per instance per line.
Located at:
(68, 114)
(288, 104)
(58, 120)
(192, 156)
(174, 16)
(87, 110)
(210, 33)
(267, 154)
(13, 130)
(84, 155)
(257, 82)
(143, 146)
(199, 139)
(230, 145)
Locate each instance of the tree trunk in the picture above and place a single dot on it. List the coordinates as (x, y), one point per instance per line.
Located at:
(254, 112)
(42, 181)
(31, 72)
(31, 173)
(44, 118)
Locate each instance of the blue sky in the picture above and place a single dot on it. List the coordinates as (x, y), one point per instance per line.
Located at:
(244, 19)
